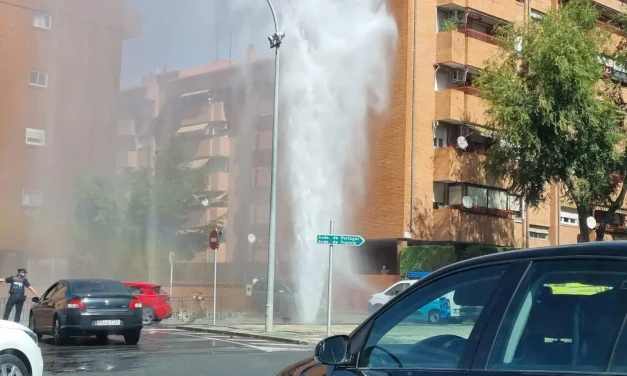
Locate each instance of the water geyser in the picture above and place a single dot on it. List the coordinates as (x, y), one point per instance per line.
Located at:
(337, 65)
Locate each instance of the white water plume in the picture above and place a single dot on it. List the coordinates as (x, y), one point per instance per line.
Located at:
(338, 57)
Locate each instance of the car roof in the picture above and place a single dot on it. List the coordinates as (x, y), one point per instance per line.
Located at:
(613, 249)
(142, 284)
(90, 280)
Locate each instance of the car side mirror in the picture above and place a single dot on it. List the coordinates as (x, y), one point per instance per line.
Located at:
(333, 350)
(35, 299)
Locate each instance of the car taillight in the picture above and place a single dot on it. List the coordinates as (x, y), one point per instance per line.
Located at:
(135, 303)
(75, 304)
(448, 304)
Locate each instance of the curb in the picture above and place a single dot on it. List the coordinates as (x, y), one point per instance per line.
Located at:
(236, 333)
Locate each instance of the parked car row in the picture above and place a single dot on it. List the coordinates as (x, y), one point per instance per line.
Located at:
(98, 307)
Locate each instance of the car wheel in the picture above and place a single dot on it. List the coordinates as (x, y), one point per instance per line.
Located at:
(434, 316)
(149, 316)
(12, 365)
(32, 326)
(132, 337)
(58, 336)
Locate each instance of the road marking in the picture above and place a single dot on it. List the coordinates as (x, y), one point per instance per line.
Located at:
(280, 346)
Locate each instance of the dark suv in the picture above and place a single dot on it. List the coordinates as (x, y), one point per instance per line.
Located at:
(522, 324)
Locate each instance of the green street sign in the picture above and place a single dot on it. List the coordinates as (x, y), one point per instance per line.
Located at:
(352, 240)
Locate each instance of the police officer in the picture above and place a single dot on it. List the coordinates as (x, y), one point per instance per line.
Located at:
(17, 294)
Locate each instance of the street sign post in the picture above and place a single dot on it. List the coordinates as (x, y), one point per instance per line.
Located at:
(214, 243)
(171, 259)
(332, 239)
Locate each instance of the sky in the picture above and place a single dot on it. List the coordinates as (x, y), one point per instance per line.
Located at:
(187, 33)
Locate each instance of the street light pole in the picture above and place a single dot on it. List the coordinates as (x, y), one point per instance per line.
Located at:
(275, 42)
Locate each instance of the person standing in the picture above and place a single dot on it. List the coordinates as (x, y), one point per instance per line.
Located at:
(17, 295)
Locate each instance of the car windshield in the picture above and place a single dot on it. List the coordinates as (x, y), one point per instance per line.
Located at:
(98, 287)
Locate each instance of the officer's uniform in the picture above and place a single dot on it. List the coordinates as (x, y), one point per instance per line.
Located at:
(17, 296)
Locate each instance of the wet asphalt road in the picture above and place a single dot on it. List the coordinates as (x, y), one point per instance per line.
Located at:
(164, 351)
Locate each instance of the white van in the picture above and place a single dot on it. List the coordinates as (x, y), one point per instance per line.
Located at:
(379, 299)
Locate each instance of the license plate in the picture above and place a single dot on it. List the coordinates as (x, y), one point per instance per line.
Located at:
(107, 322)
(455, 312)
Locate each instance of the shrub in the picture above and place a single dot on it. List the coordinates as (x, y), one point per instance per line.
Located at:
(426, 257)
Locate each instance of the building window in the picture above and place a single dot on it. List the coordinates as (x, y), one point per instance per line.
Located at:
(38, 78)
(569, 216)
(31, 198)
(36, 137)
(439, 137)
(539, 232)
(492, 200)
(455, 195)
(497, 199)
(42, 20)
(439, 193)
(479, 196)
(536, 16)
(219, 164)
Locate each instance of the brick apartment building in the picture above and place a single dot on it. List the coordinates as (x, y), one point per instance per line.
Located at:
(418, 174)
(59, 80)
(223, 114)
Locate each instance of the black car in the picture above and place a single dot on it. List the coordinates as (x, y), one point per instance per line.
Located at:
(85, 307)
(545, 311)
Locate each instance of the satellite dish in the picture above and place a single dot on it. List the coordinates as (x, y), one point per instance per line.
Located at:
(591, 222)
(251, 238)
(467, 202)
(462, 143)
(205, 202)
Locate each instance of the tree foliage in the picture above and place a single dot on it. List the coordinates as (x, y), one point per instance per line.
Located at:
(554, 116)
(144, 212)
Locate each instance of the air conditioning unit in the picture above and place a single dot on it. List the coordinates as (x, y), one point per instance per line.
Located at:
(458, 76)
(458, 16)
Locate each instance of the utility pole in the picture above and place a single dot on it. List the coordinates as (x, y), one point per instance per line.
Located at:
(275, 42)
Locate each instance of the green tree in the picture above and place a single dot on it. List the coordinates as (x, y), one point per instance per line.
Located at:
(144, 212)
(555, 119)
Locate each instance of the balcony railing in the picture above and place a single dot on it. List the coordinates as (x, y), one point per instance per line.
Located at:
(468, 90)
(470, 33)
(609, 27)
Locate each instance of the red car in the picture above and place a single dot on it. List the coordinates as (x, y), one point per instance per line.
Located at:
(155, 302)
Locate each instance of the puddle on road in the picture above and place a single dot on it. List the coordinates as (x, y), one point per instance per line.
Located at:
(92, 355)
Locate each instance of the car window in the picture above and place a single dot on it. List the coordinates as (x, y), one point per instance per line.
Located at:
(397, 289)
(419, 330)
(134, 290)
(59, 292)
(48, 292)
(158, 290)
(565, 316)
(96, 287)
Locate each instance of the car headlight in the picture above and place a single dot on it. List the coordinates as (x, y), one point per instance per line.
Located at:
(32, 335)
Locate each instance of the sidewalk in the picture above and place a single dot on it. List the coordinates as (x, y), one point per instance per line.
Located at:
(297, 334)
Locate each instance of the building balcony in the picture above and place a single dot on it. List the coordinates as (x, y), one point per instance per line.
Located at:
(209, 113)
(455, 225)
(208, 147)
(504, 10)
(218, 182)
(617, 5)
(459, 105)
(451, 164)
(464, 47)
